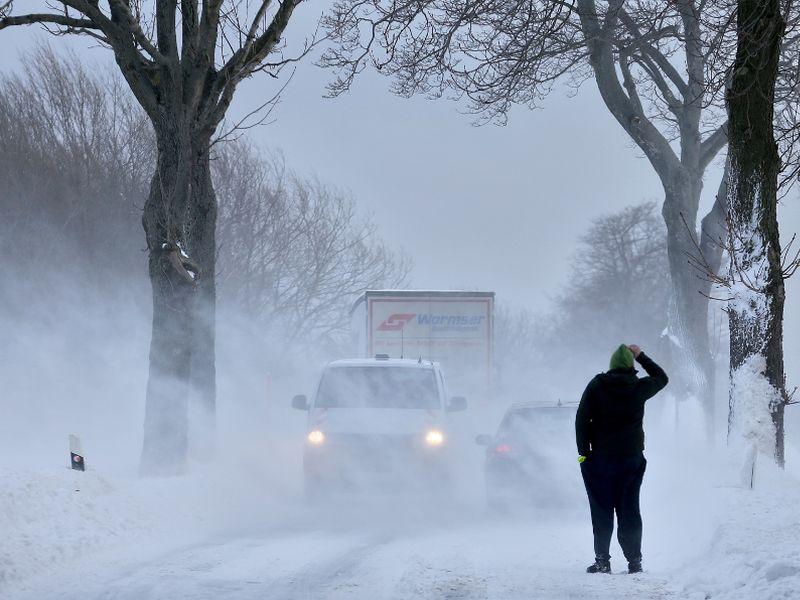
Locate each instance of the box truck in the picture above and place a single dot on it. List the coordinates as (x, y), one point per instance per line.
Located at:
(453, 328)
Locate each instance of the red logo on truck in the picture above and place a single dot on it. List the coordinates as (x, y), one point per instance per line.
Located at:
(396, 322)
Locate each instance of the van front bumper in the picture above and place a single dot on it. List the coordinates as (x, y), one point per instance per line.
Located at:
(359, 456)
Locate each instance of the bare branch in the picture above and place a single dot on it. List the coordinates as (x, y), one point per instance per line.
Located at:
(120, 9)
(643, 43)
(71, 23)
(640, 128)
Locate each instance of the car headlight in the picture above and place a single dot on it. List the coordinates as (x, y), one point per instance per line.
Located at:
(316, 437)
(434, 438)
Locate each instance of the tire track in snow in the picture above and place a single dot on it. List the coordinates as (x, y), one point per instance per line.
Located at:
(457, 579)
(331, 579)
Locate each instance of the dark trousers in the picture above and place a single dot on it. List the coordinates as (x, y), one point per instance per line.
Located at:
(612, 484)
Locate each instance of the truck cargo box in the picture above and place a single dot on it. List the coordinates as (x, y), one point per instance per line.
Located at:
(453, 328)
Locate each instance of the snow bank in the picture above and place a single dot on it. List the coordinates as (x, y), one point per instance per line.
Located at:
(55, 517)
(754, 553)
(754, 398)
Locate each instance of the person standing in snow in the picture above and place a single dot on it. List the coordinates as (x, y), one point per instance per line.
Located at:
(610, 437)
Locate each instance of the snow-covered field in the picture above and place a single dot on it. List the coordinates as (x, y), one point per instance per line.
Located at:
(219, 533)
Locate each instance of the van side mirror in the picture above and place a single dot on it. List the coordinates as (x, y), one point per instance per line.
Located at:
(456, 404)
(300, 402)
(483, 440)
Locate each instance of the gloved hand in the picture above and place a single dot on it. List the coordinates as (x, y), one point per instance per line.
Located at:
(582, 459)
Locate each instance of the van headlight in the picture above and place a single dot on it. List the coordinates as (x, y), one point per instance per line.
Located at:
(434, 438)
(315, 437)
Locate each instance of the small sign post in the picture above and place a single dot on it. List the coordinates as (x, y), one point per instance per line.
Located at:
(76, 453)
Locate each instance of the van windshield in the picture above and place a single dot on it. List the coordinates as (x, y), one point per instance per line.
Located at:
(378, 387)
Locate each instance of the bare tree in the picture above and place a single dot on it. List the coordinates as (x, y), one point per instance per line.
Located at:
(615, 292)
(755, 310)
(787, 92)
(754, 281)
(616, 289)
(294, 253)
(661, 69)
(76, 154)
(183, 62)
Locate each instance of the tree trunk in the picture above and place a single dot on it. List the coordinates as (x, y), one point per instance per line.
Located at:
(688, 315)
(165, 425)
(757, 391)
(179, 219)
(202, 248)
(165, 442)
(714, 229)
(682, 178)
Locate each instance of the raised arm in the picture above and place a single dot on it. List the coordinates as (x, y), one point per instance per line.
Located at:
(656, 379)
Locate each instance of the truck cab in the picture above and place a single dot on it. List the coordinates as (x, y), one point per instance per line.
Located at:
(377, 421)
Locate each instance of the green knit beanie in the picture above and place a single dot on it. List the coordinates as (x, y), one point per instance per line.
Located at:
(622, 358)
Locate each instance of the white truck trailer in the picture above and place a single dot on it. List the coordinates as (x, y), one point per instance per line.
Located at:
(452, 328)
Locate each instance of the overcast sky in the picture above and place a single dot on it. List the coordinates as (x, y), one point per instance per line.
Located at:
(495, 208)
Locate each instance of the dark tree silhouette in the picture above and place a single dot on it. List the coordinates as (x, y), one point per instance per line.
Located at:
(183, 61)
(756, 281)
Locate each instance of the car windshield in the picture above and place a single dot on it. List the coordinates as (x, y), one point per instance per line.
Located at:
(538, 422)
(378, 387)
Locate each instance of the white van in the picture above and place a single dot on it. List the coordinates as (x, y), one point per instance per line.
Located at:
(377, 420)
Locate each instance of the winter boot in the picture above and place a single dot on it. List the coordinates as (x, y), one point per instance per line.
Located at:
(635, 567)
(600, 566)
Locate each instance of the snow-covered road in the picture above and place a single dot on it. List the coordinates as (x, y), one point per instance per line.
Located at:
(323, 555)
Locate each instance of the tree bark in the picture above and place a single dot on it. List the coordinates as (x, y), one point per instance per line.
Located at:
(180, 221)
(202, 248)
(757, 392)
(166, 426)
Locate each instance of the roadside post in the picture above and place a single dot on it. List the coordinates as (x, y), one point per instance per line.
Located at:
(76, 459)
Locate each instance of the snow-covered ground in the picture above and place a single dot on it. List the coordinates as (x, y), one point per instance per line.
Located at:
(240, 529)
(219, 533)
(365, 550)
(754, 552)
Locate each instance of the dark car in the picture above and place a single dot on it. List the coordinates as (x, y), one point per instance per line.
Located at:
(529, 461)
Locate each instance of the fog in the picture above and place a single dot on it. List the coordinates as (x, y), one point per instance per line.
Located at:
(74, 362)
(479, 208)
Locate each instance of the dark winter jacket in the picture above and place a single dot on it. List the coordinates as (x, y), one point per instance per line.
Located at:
(609, 418)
